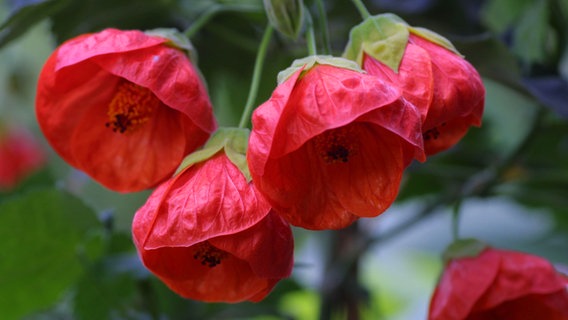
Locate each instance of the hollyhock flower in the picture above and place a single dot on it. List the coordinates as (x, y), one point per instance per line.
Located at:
(20, 155)
(500, 284)
(209, 235)
(123, 106)
(434, 77)
(331, 143)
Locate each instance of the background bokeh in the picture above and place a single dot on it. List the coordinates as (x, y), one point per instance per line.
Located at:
(65, 245)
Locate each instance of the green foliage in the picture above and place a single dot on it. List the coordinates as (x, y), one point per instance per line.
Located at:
(45, 233)
(27, 16)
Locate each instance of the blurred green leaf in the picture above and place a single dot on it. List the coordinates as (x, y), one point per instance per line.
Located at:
(26, 17)
(508, 117)
(533, 39)
(42, 234)
(498, 15)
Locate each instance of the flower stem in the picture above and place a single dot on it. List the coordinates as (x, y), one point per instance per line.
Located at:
(202, 20)
(362, 9)
(310, 36)
(456, 219)
(259, 63)
(323, 26)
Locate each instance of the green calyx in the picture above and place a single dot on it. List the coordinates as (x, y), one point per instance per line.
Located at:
(384, 37)
(309, 62)
(176, 40)
(233, 141)
(434, 37)
(463, 248)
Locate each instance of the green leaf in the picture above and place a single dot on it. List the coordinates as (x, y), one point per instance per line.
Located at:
(42, 234)
(533, 38)
(508, 117)
(26, 17)
(383, 37)
(499, 15)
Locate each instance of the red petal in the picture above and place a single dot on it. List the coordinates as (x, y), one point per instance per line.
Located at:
(168, 73)
(463, 282)
(519, 275)
(232, 280)
(414, 76)
(207, 200)
(107, 41)
(268, 247)
(552, 306)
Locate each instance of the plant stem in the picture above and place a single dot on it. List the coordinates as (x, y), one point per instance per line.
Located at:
(310, 36)
(456, 219)
(202, 20)
(323, 26)
(362, 9)
(259, 63)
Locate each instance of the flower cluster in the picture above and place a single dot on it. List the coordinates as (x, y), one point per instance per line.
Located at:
(329, 146)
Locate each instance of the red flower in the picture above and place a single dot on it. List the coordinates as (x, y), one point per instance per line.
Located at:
(20, 154)
(123, 106)
(330, 146)
(445, 88)
(502, 285)
(209, 235)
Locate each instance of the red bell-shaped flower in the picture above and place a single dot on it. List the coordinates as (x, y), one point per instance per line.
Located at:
(331, 144)
(20, 155)
(123, 106)
(209, 235)
(500, 284)
(433, 76)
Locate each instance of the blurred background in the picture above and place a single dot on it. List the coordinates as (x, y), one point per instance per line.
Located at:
(65, 246)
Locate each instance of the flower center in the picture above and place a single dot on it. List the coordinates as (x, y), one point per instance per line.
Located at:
(432, 134)
(336, 145)
(131, 107)
(209, 255)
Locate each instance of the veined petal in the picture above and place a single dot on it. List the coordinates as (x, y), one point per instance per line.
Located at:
(194, 209)
(232, 280)
(110, 40)
(168, 73)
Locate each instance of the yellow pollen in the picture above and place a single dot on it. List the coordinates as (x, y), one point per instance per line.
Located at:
(336, 145)
(131, 107)
(209, 255)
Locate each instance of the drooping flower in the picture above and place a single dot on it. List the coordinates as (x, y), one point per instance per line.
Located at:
(445, 87)
(20, 155)
(331, 143)
(123, 106)
(209, 235)
(500, 284)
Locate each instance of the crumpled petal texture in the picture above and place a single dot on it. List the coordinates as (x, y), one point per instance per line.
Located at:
(330, 146)
(76, 87)
(445, 88)
(500, 284)
(211, 202)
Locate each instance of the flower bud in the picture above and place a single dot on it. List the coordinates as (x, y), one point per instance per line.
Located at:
(286, 16)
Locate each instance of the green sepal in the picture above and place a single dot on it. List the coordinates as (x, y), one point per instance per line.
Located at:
(233, 141)
(383, 37)
(309, 62)
(435, 38)
(176, 39)
(463, 248)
